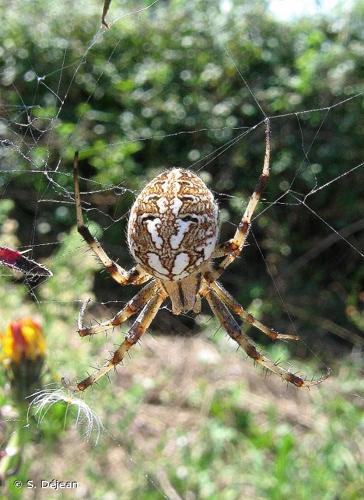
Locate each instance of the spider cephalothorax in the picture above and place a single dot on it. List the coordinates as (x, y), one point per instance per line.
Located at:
(172, 235)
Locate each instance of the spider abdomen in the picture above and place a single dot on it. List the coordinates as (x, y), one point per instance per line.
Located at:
(173, 225)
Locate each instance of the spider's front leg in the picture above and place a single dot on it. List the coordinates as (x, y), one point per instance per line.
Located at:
(139, 327)
(132, 307)
(136, 275)
(232, 328)
(239, 310)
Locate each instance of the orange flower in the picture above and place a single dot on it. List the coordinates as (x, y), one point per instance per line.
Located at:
(22, 339)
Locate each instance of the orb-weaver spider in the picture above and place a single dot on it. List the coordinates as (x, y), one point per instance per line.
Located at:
(172, 235)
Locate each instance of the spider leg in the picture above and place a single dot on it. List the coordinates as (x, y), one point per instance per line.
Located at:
(132, 307)
(233, 247)
(136, 275)
(234, 306)
(104, 12)
(230, 325)
(222, 250)
(136, 331)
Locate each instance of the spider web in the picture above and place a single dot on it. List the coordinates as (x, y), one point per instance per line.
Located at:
(38, 109)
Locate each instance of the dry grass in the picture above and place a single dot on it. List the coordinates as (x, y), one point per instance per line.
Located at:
(164, 402)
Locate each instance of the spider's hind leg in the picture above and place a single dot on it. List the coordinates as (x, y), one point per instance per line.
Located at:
(232, 248)
(136, 275)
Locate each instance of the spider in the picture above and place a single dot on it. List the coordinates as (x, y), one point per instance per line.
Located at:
(172, 235)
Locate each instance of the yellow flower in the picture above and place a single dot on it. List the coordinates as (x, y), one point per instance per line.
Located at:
(22, 339)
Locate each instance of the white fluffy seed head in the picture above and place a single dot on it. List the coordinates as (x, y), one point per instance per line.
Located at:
(85, 418)
(173, 225)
